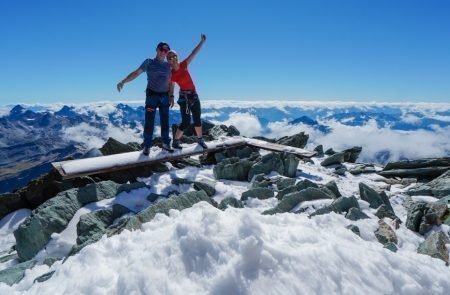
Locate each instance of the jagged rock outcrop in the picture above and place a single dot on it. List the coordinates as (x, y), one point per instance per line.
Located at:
(10, 202)
(285, 164)
(233, 169)
(374, 198)
(319, 149)
(54, 215)
(352, 154)
(384, 212)
(301, 185)
(422, 216)
(435, 246)
(113, 146)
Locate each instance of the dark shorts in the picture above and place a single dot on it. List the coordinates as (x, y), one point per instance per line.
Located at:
(190, 104)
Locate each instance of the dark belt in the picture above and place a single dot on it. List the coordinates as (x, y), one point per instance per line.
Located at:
(150, 92)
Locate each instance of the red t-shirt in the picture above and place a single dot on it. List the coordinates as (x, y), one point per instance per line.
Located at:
(183, 78)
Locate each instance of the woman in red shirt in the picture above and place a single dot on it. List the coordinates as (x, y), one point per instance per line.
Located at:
(188, 100)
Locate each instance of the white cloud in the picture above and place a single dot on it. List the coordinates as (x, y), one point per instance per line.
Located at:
(93, 137)
(247, 124)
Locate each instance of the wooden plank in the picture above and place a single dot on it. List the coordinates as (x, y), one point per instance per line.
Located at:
(105, 164)
(59, 166)
(275, 147)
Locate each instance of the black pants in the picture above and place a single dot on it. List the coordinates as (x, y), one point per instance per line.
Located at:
(190, 105)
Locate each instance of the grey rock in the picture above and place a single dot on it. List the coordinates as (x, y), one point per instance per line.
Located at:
(384, 212)
(336, 158)
(15, 274)
(207, 186)
(8, 257)
(439, 187)
(152, 197)
(259, 193)
(128, 187)
(44, 277)
(340, 171)
(422, 216)
(268, 163)
(391, 247)
(341, 204)
(293, 199)
(332, 186)
(355, 214)
(94, 223)
(230, 202)
(423, 163)
(54, 215)
(290, 165)
(233, 169)
(421, 173)
(352, 154)
(233, 131)
(319, 149)
(434, 246)
(282, 182)
(374, 198)
(305, 183)
(286, 191)
(385, 234)
(330, 152)
(298, 140)
(10, 202)
(112, 147)
(218, 131)
(362, 169)
(49, 261)
(354, 229)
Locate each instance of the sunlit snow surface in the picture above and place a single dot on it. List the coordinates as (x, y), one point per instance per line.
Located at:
(202, 250)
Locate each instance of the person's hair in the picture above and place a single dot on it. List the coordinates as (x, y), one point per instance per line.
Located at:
(172, 52)
(162, 43)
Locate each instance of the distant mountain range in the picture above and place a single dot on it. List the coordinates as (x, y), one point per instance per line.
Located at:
(31, 137)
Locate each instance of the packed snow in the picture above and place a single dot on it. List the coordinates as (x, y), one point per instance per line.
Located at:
(203, 250)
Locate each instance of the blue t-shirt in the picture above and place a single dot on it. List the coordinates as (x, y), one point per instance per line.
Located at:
(158, 74)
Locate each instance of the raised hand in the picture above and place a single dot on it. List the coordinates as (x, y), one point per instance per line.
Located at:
(203, 37)
(119, 86)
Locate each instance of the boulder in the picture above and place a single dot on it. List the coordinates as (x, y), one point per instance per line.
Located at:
(282, 183)
(15, 274)
(286, 191)
(332, 186)
(362, 169)
(352, 154)
(293, 199)
(422, 216)
(230, 202)
(298, 140)
(374, 198)
(355, 214)
(354, 229)
(206, 185)
(385, 234)
(240, 152)
(259, 193)
(290, 164)
(218, 131)
(340, 170)
(435, 247)
(233, 169)
(54, 215)
(336, 158)
(439, 187)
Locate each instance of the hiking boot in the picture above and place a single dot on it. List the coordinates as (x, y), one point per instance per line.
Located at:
(202, 143)
(146, 151)
(176, 145)
(167, 147)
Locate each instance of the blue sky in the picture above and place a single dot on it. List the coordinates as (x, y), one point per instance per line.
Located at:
(77, 51)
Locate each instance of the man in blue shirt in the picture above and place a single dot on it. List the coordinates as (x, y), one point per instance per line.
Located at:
(157, 95)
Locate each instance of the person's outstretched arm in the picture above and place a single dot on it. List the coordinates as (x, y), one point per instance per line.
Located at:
(196, 49)
(129, 78)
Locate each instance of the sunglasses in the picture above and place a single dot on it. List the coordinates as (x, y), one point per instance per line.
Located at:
(165, 50)
(173, 57)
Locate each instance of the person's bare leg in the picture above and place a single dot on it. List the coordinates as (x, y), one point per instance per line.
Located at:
(198, 131)
(178, 134)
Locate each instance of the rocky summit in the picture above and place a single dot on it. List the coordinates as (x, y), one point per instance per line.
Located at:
(245, 209)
